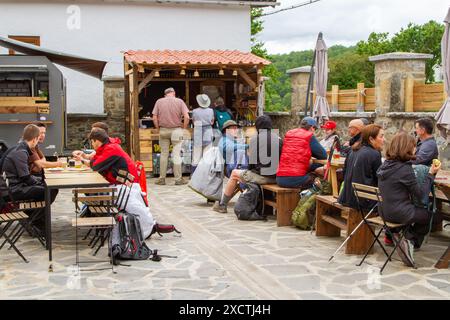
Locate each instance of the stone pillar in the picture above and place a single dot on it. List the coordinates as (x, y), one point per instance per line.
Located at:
(114, 99)
(299, 86)
(391, 73)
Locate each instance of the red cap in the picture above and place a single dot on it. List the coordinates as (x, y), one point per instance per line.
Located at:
(329, 125)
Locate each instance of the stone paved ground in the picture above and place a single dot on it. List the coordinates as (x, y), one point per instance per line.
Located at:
(219, 257)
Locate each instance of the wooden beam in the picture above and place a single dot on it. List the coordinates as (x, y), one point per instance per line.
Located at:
(146, 80)
(247, 79)
(128, 72)
(141, 68)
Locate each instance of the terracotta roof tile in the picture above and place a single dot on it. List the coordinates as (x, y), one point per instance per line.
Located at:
(184, 57)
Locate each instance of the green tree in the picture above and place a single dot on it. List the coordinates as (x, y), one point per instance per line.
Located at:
(349, 69)
(269, 71)
(424, 38)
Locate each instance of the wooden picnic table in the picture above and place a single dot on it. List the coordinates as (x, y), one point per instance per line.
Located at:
(332, 177)
(67, 179)
(442, 182)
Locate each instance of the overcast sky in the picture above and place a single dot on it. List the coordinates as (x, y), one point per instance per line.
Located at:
(343, 22)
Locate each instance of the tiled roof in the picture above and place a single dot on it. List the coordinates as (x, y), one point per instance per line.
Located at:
(185, 57)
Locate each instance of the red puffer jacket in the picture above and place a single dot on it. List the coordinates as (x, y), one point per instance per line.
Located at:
(296, 153)
(109, 159)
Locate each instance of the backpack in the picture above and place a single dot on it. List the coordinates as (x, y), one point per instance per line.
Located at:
(126, 240)
(250, 204)
(304, 214)
(221, 117)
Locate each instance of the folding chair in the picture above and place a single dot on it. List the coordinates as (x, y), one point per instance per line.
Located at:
(101, 202)
(104, 223)
(24, 220)
(373, 193)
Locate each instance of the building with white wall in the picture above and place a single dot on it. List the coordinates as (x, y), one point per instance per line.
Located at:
(102, 30)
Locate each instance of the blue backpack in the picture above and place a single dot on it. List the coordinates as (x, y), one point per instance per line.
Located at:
(221, 117)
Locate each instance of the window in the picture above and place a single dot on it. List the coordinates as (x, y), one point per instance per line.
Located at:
(36, 40)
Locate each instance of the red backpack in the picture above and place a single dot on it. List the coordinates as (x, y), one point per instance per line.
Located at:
(142, 179)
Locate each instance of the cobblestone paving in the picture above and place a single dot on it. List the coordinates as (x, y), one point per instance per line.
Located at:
(218, 257)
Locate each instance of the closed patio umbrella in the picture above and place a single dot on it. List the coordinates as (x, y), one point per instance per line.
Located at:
(321, 109)
(443, 116)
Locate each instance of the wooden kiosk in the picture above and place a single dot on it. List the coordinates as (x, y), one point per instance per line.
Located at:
(233, 75)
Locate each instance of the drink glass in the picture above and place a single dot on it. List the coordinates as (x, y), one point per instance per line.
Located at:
(63, 162)
(71, 163)
(336, 156)
(78, 164)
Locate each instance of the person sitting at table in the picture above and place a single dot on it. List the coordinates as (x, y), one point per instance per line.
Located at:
(22, 183)
(109, 157)
(299, 145)
(427, 149)
(264, 150)
(330, 135)
(354, 131)
(362, 164)
(403, 193)
(37, 159)
(233, 151)
(89, 156)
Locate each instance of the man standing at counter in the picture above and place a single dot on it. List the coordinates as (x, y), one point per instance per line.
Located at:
(167, 115)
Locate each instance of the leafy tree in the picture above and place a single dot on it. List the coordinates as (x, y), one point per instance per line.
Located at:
(424, 38)
(349, 69)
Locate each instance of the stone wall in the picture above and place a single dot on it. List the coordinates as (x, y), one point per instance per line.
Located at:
(391, 72)
(79, 125)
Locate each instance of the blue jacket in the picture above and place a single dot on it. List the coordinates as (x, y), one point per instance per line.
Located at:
(234, 153)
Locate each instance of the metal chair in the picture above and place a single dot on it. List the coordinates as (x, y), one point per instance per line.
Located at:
(373, 193)
(104, 223)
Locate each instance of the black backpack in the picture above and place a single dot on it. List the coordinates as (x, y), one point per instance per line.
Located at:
(250, 204)
(126, 240)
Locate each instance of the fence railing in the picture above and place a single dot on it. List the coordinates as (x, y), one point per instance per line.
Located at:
(420, 97)
(359, 99)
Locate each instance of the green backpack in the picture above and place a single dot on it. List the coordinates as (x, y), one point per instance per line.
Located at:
(304, 213)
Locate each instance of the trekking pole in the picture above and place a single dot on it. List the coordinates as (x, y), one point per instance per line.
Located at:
(351, 234)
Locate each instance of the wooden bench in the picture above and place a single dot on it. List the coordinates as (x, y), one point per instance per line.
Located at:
(283, 200)
(332, 217)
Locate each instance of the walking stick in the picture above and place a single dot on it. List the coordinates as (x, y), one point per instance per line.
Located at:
(352, 233)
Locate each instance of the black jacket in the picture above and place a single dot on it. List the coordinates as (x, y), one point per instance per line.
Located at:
(17, 170)
(360, 167)
(398, 183)
(264, 153)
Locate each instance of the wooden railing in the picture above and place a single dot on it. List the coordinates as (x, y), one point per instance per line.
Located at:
(420, 97)
(361, 98)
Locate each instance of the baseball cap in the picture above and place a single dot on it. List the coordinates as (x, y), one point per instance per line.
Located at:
(330, 125)
(309, 121)
(229, 123)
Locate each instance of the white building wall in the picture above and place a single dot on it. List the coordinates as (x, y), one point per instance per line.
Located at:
(107, 29)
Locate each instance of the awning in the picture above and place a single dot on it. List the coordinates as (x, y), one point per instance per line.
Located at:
(194, 57)
(87, 66)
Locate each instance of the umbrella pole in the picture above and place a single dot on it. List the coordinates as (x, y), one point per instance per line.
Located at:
(310, 81)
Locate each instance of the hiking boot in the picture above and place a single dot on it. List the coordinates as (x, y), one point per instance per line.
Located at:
(180, 182)
(161, 182)
(220, 208)
(407, 254)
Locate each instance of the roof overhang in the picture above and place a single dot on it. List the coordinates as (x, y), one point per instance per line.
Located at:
(87, 66)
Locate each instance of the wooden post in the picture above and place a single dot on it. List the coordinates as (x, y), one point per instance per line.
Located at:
(187, 92)
(360, 95)
(127, 106)
(409, 94)
(335, 98)
(134, 114)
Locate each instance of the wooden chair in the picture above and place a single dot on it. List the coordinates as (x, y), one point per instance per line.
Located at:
(25, 223)
(373, 193)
